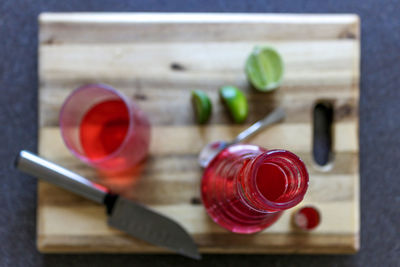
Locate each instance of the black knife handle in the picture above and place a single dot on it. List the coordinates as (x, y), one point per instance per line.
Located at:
(52, 173)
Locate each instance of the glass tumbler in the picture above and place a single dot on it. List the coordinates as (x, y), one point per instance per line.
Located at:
(104, 128)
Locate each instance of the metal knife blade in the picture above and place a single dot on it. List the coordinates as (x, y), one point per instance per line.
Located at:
(125, 215)
(153, 227)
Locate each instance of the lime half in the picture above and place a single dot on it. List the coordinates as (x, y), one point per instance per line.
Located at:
(236, 102)
(264, 69)
(202, 106)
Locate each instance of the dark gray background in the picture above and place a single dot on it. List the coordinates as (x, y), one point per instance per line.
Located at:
(379, 130)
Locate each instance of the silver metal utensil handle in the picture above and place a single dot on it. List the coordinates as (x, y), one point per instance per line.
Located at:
(276, 115)
(52, 173)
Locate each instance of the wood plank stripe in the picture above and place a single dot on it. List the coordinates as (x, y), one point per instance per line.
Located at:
(195, 27)
(303, 60)
(158, 105)
(186, 166)
(179, 140)
(159, 17)
(278, 244)
(332, 188)
(91, 220)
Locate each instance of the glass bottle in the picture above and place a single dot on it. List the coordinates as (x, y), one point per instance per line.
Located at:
(245, 188)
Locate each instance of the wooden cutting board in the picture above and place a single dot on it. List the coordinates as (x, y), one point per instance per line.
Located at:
(158, 59)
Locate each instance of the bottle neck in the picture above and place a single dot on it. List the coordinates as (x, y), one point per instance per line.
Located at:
(273, 181)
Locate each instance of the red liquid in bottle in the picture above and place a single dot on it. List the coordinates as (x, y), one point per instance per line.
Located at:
(245, 188)
(103, 128)
(275, 186)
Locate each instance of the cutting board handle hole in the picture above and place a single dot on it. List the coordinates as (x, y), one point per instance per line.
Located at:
(322, 135)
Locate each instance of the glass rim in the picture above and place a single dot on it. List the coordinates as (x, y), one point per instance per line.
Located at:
(259, 160)
(130, 131)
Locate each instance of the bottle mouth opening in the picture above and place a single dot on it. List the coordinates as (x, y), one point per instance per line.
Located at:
(279, 180)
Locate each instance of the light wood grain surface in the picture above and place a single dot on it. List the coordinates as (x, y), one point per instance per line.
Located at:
(136, 53)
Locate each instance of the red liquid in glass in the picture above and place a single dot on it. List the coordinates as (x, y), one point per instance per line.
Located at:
(103, 128)
(240, 190)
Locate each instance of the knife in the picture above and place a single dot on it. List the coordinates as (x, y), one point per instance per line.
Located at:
(123, 214)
